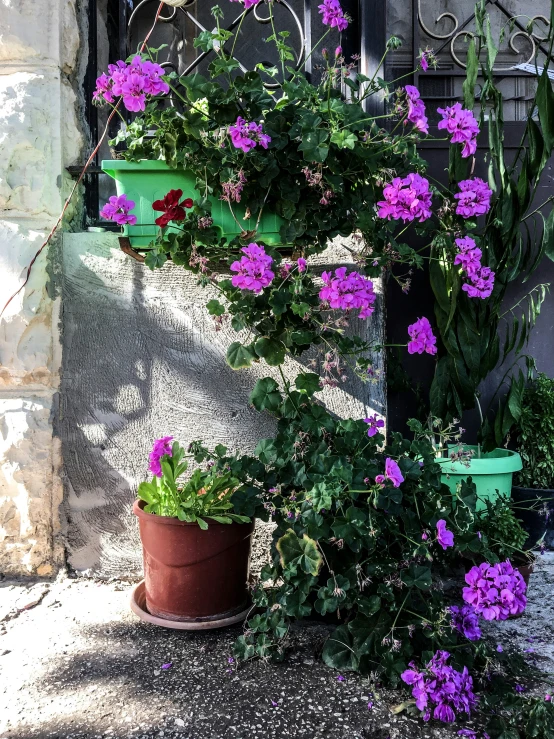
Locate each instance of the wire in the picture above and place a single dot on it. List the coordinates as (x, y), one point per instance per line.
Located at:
(79, 180)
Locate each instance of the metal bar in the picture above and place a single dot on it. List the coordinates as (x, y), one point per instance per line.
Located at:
(308, 37)
(91, 111)
(373, 35)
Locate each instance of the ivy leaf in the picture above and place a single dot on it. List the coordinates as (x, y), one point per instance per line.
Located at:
(240, 356)
(266, 451)
(308, 383)
(271, 350)
(417, 576)
(338, 651)
(266, 395)
(215, 308)
(303, 553)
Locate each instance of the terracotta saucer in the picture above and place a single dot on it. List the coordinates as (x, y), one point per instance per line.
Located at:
(138, 606)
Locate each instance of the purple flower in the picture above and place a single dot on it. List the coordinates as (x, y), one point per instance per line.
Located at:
(301, 262)
(369, 706)
(422, 338)
(133, 82)
(247, 3)
(474, 198)
(348, 292)
(548, 697)
(408, 198)
(246, 135)
(519, 689)
(444, 537)
(499, 648)
(416, 109)
(424, 536)
(466, 621)
(161, 448)
(338, 51)
(374, 424)
(442, 688)
(117, 210)
(167, 666)
(341, 678)
(333, 15)
(468, 256)
(481, 283)
(462, 127)
(392, 473)
(468, 732)
(495, 591)
(254, 271)
(103, 88)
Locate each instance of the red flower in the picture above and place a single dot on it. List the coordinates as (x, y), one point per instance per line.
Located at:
(172, 209)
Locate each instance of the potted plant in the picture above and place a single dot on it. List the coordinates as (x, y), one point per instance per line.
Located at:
(196, 548)
(533, 492)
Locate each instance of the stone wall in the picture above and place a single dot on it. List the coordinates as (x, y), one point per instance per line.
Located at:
(142, 359)
(39, 137)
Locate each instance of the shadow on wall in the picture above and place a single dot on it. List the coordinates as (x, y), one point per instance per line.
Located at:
(142, 359)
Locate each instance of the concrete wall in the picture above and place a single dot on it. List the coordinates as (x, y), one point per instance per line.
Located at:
(142, 359)
(39, 137)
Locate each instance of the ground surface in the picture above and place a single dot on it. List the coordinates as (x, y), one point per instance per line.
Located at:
(76, 664)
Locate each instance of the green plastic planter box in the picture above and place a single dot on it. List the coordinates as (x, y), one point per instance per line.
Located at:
(150, 180)
(491, 473)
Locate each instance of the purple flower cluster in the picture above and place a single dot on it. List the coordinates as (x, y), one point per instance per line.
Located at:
(442, 688)
(133, 82)
(392, 473)
(480, 279)
(416, 109)
(374, 424)
(117, 209)
(348, 292)
(408, 198)
(466, 621)
(474, 198)
(462, 127)
(422, 337)
(246, 135)
(161, 448)
(254, 271)
(495, 591)
(333, 15)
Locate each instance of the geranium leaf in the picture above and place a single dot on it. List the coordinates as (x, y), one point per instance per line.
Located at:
(298, 552)
(240, 356)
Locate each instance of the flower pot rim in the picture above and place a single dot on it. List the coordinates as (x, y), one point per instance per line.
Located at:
(533, 490)
(138, 506)
(152, 164)
(491, 463)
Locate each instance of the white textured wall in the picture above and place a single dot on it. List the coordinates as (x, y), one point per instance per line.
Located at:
(39, 137)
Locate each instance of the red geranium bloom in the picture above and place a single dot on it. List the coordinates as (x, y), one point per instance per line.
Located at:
(172, 209)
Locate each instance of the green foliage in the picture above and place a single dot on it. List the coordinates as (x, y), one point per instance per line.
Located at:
(203, 495)
(535, 434)
(502, 535)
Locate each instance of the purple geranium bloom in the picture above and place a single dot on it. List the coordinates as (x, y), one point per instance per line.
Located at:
(392, 473)
(253, 269)
(466, 621)
(161, 448)
(468, 255)
(407, 198)
(301, 262)
(374, 424)
(416, 109)
(495, 591)
(481, 283)
(468, 732)
(333, 15)
(247, 3)
(422, 338)
(462, 127)
(348, 292)
(118, 209)
(474, 198)
(246, 135)
(444, 537)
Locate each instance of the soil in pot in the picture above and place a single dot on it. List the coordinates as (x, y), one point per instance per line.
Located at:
(190, 573)
(491, 472)
(538, 523)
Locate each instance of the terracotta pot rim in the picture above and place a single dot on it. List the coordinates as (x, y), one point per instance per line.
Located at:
(138, 506)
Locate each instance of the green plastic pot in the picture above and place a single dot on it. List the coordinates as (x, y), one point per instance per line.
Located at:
(491, 472)
(150, 180)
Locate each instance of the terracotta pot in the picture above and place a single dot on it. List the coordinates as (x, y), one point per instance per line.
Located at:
(192, 574)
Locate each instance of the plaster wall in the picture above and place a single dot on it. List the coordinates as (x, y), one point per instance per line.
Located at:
(39, 137)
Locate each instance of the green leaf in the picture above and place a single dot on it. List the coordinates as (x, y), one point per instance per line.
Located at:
(313, 145)
(215, 308)
(417, 576)
(471, 75)
(203, 525)
(545, 106)
(338, 651)
(155, 259)
(239, 356)
(307, 382)
(301, 553)
(266, 451)
(321, 496)
(266, 395)
(271, 350)
(548, 236)
(344, 139)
